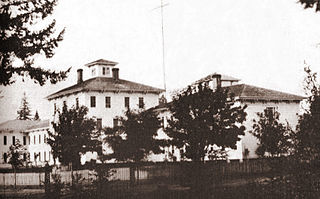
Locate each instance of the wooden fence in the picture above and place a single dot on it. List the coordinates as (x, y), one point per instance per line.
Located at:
(143, 171)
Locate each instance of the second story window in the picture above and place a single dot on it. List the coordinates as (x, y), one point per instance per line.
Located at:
(108, 102)
(54, 108)
(34, 139)
(5, 157)
(141, 103)
(127, 102)
(44, 139)
(103, 70)
(5, 140)
(24, 140)
(13, 140)
(39, 139)
(93, 101)
(77, 102)
(115, 122)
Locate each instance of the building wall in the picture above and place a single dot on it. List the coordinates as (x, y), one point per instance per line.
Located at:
(9, 135)
(38, 145)
(288, 112)
(100, 111)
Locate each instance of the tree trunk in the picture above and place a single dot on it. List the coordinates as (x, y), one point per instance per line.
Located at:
(15, 177)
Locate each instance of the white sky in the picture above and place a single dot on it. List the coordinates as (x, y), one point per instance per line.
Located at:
(263, 43)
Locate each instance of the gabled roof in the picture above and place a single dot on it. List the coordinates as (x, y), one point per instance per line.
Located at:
(223, 78)
(17, 125)
(105, 84)
(102, 62)
(252, 93)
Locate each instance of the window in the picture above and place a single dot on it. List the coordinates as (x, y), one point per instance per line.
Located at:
(108, 71)
(34, 139)
(99, 123)
(269, 111)
(5, 140)
(115, 122)
(39, 139)
(108, 102)
(5, 157)
(44, 156)
(13, 140)
(24, 140)
(24, 156)
(77, 102)
(39, 156)
(93, 72)
(127, 102)
(103, 71)
(44, 139)
(141, 103)
(93, 101)
(54, 108)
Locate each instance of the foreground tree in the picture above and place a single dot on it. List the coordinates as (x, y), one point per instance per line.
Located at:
(21, 40)
(311, 4)
(17, 157)
(24, 112)
(308, 128)
(203, 124)
(203, 118)
(275, 138)
(74, 134)
(134, 138)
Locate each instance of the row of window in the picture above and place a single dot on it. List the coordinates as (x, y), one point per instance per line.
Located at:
(41, 139)
(105, 71)
(5, 157)
(5, 140)
(108, 102)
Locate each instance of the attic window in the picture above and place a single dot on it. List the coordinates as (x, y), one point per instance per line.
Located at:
(108, 71)
(103, 71)
(93, 72)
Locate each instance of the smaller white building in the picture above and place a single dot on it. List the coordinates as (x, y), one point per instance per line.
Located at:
(10, 132)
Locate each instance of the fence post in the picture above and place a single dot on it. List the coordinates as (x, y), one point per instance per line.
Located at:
(47, 179)
(132, 174)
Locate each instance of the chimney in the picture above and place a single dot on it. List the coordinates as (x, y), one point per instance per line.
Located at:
(80, 79)
(218, 79)
(115, 73)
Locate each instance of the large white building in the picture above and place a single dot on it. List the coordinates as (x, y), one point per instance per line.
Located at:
(257, 99)
(106, 96)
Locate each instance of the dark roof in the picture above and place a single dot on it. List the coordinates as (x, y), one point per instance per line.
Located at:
(40, 124)
(105, 84)
(102, 62)
(223, 78)
(246, 92)
(17, 125)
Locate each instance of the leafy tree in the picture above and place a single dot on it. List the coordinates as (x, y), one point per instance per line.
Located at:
(24, 112)
(134, 138)
(16, 155)
(36, 116)
(74, 134)
(21, 40)
(202, 118)
(310, 4)
(308, 128)
(275, 138)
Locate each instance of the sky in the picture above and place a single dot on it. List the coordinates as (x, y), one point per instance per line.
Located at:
(263, 43)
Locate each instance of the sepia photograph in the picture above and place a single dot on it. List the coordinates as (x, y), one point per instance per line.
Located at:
(160, 99)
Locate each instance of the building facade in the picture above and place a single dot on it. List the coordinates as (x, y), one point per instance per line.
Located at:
(10, 132)
(257, 100)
